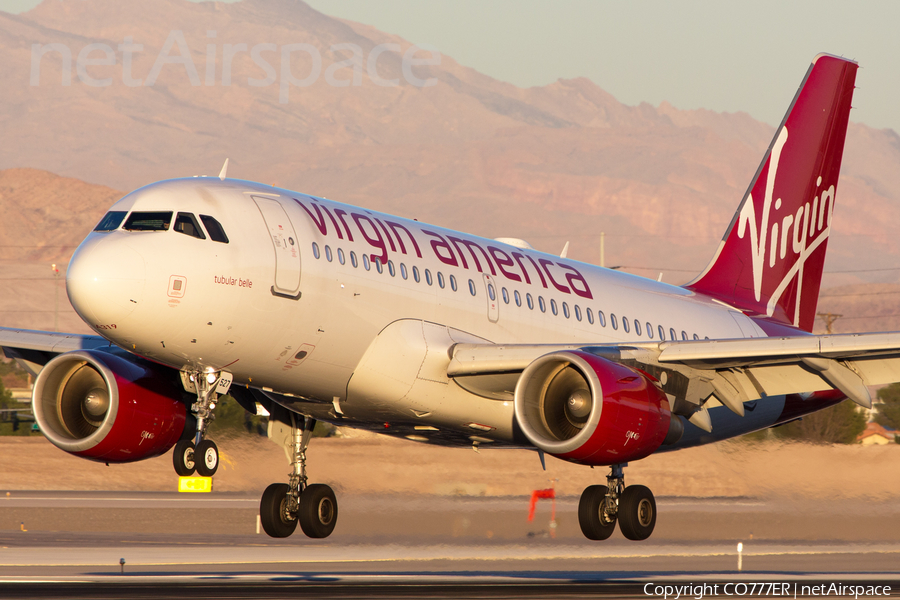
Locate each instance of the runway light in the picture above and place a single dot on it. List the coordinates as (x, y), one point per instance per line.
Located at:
(740, 549)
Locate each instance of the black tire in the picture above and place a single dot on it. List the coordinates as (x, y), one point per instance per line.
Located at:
(273, 514)
(207, 458)
(318, 511)
(637, 512)
(183, 458)
(595, 523)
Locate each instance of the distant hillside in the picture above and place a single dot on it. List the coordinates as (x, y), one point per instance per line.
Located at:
(46, 216)
(550, 164)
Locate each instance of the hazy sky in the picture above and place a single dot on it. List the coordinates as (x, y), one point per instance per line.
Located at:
(725, 56)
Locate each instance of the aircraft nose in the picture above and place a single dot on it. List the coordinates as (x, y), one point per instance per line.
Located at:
(105, 282)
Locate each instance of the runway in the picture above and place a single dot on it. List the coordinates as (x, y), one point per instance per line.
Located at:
(461, 547)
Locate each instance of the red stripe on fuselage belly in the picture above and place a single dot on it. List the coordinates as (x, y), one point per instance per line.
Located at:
(795, 406)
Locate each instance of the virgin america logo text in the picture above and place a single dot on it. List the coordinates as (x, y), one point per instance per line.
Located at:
(800, 233)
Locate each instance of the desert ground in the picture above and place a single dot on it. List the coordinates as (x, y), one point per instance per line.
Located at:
(363, 463)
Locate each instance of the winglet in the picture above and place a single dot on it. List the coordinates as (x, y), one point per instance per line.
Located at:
(224, 172)
(565, 251)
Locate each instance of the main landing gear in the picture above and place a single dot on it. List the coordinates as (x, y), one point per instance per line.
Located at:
(312, 505)
(199, 454)
(602, 505)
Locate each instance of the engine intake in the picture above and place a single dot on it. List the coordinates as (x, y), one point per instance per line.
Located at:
(590, 410)
(107, 408)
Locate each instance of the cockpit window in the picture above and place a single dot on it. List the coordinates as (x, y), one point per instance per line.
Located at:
(111, 220)
(187, 224)
(214, 228)
(149, 221)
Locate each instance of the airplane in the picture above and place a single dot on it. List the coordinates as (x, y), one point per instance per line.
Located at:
(322, 311)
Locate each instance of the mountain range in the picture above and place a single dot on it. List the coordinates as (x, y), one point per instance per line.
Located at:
(562, 162)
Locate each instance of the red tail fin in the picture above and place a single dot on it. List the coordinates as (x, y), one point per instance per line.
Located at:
(771, 258)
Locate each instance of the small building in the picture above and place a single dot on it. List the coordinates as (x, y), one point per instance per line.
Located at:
(876, 435)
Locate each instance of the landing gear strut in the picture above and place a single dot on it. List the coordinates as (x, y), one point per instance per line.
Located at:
(199, 454)
(313, 506)
(601, 506)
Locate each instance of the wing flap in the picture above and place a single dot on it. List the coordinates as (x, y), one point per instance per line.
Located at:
(773, 349)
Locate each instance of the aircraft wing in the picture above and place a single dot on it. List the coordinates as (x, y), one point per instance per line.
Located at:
(733, 371)
(32, 349)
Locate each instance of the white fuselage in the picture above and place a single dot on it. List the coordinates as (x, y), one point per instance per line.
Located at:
(295, 298)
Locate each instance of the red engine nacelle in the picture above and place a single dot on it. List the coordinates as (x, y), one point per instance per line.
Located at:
(107, 408)
(590, 410)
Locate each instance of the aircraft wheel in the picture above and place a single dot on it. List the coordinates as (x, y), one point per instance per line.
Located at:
(637, 512)
(318, 511)
(183, 458)
(273, 511)
(596, 523)
(207, 457)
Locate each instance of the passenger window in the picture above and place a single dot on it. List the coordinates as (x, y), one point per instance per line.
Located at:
(684, 336)
(215, 230)
(491, 292)
(403, 272)
(366, 263)
(416, 276)
(637, 327)
(625, 325)
(553, 306)
(672, 335)
(565, 310)
(577, 312)
(472, 287)
(662, 334)
(590, 315)
(453, 282)
(187, 224)
(649, 331)
(341, 256)
(428, 276)
(518, 298)
(505, 295)
(111, 220)
(353, 260)
(378, 266)
(440, 280)
(696, 337)
(316, 250)
(149, 221)
(530, 302)
(541, 304)
(613, 321)
(328, 255)
(391, 269)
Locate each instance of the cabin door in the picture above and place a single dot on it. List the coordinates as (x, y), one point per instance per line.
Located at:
(285, 244)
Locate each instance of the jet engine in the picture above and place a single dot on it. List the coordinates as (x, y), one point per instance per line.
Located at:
(107, 408)
(590, 410)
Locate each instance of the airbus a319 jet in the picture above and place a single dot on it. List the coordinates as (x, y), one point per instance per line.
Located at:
(318, 310)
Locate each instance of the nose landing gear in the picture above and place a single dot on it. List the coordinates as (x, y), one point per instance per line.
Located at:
(601, 506)
(313, 506)
(200, 454)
